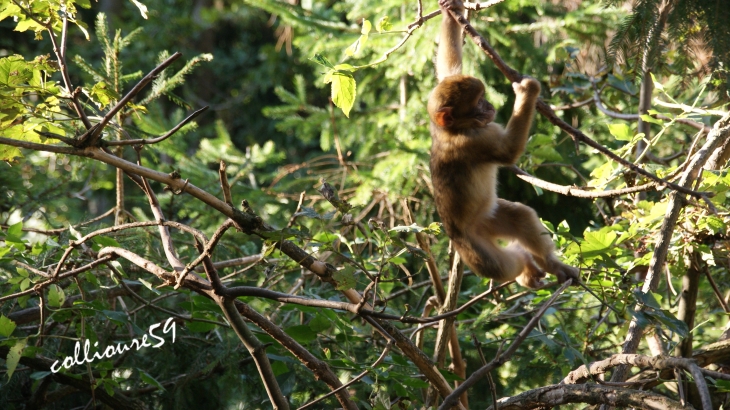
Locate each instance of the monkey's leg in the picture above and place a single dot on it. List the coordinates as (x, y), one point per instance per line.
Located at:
(486, 258)
(516, 221)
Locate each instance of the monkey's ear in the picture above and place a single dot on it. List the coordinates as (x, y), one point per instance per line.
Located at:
(443, 117)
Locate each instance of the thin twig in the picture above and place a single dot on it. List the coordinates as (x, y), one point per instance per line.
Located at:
(63, 275)
(354, 379)
(452, 399)
(89, 137)
(225, 186)
(296, 211)
(143, 141)
(60, 52)
(715, 289)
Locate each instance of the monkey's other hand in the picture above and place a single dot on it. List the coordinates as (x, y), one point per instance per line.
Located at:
(564, 272)
(454, 5)
(528, 87)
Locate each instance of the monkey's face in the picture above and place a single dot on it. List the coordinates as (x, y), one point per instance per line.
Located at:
(483, 111)
(458, 104)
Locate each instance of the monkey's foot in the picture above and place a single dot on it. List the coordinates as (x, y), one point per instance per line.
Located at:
(531, 275)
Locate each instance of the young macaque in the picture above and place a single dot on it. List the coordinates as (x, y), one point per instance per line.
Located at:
(466, 151)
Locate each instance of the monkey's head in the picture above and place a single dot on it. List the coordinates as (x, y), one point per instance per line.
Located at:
(458, 103)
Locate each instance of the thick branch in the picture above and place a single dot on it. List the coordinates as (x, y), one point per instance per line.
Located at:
(258, 352)
(557, 395)
(719, 133)
(617, 361)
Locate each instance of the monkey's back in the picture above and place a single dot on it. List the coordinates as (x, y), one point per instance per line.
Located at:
(464, 187)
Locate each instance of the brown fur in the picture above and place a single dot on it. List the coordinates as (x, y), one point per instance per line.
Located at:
(466, 151)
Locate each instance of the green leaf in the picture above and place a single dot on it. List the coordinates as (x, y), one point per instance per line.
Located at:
(199, 327)
(344, 90)
(147, 378)
(6, 326)
(102, 95)
(83, 3)
(622, 84)
(414, 382)
(723, 386)
(649, 118)
(14, 71)
(383, 24)
(301, 333)
(149, 286)
(11, 362)
(319, 323)
(366, 27)
(595, 244)
(647, 299)
(56, 296)
(10, 154)
(118, 317)
(279, 368)
(450, 377)
(106, 241)
(323, 61)
(345, 278)
(670, 321)
(621, 131)
(24, 284)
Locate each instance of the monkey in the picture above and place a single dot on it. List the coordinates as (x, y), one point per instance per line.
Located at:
(467, 148)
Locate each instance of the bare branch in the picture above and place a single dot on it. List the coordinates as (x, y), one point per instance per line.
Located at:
(89, 137)
(557, 395)
(514, 76)
(258, 352)
(579, 192)
(719, 133)
(317, 366)
(502, 358)
(64, 275)
(162, 137)
(225, 186)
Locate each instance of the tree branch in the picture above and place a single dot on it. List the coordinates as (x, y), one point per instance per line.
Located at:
(543, 108)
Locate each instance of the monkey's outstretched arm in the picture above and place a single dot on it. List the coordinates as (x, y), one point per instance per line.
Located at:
(518, 128)
(448, 58)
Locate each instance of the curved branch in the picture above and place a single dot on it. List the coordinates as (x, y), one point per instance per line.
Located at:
(719, 133)
(161, 138)
(258, 352)
(544, 109)
(453, 398)
(94, 132)
(556, 395)
(579, 192)
(636, 117)
(252, 224)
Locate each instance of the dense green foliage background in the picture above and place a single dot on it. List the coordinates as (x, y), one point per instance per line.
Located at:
(257, 65)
